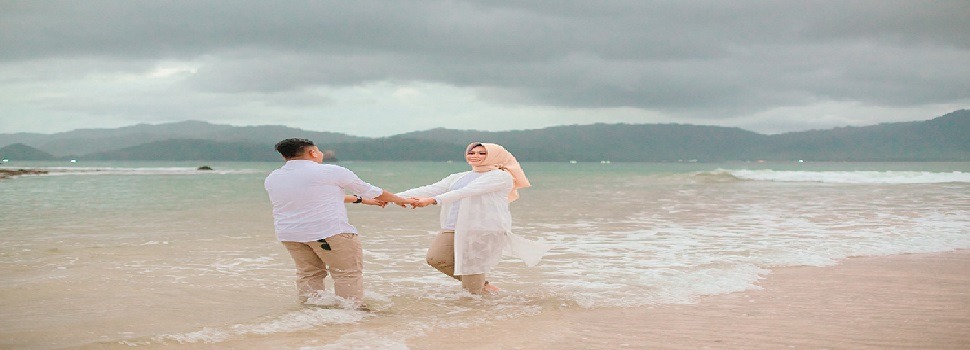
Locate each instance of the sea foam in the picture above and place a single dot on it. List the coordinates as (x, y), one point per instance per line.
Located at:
(848, 177)
(308, 318)
(67, 171)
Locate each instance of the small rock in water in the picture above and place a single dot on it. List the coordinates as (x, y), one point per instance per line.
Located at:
(205, 167)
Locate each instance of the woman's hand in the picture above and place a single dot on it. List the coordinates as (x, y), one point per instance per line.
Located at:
(411, 201)
(421, 202)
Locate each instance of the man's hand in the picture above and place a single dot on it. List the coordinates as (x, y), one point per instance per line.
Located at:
(376, 202)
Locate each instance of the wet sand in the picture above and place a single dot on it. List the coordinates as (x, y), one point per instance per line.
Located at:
(912, 301)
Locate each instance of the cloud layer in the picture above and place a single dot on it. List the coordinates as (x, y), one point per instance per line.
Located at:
(408, 65)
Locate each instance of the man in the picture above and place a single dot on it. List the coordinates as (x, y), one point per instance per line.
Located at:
(311, 221)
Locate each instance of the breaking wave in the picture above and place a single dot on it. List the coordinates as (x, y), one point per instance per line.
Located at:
(66, 171)
(841, 177)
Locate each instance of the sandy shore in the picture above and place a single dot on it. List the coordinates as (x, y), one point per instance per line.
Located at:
(915, 301)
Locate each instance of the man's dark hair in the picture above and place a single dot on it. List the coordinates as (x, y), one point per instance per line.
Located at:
(290, 148)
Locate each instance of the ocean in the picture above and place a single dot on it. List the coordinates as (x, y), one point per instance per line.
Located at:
(162, 255)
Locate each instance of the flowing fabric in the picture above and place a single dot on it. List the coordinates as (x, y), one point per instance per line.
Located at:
(498, 157)
(483, 232)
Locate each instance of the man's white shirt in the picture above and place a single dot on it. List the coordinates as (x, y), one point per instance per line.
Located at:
(308, 199)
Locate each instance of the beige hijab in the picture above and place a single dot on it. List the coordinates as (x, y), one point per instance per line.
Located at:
(499, 158)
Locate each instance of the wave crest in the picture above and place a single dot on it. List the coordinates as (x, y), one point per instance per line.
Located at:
(66, 171)
(842, 177)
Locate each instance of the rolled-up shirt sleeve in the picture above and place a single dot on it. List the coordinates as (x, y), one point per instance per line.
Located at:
(351, 182)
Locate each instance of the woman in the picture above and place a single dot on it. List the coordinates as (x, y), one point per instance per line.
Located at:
(476, 225)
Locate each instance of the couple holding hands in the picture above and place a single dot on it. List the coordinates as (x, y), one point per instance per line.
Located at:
(310, 218)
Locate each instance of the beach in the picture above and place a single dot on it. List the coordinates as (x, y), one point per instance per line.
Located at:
(909, 301)
(166, 256)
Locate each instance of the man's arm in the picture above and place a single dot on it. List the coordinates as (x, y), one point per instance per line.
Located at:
(366, 190)
(361, 200)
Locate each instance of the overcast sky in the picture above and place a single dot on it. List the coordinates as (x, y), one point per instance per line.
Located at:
(379, 68)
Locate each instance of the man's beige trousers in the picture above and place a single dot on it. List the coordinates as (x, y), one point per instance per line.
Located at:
(344, 262)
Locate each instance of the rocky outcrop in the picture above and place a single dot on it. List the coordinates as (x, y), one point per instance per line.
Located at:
(8, 173)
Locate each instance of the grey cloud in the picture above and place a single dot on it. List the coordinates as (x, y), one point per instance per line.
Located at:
(277, 72)
(488, 30)
(710, 58)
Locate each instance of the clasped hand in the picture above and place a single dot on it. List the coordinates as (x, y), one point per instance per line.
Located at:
(417, 202)
(414, 202)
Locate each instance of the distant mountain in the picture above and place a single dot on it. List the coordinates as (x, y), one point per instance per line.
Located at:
(397, 149)
(946, 138)
(19, 151)
(940, 139)
(89, 141)
(188, 149)
(206, 150)
(614, 142)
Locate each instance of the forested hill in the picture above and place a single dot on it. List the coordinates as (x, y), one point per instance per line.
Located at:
(946, 138)
(614, 142)
(92, 141)
(941, 139)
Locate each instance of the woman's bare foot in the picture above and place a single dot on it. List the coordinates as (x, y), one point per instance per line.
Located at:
(490, 289)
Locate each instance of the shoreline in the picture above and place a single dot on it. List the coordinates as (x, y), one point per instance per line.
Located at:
(884, 302)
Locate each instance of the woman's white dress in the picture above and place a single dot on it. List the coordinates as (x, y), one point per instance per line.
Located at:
(483, 231)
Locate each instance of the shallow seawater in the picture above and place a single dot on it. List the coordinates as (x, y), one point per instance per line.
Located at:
(156, 255)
